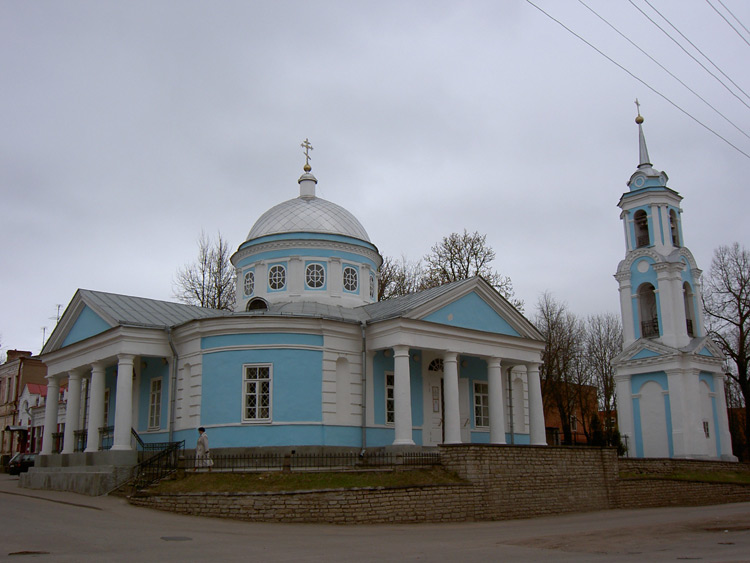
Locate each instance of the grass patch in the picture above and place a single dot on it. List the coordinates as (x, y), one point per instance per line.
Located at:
(217, 482)
(741, 478)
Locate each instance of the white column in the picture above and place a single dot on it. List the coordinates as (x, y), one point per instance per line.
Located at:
(450, 391)
(626, 308)
(72, 411)
(124, 403)
(50, 413)
(96, 406)
(497, 401)
(536, 410)
(402, 396)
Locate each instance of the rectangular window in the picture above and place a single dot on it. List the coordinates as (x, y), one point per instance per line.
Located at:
(257, 393)
(390, 404)
(705, 429)
(481, 405)
(106, 407)
(154, 404)
(573, 423)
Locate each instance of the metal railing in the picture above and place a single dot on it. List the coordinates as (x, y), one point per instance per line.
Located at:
(80, 437)
(159, 465)
(650, 329)
(106, 437)
(249, 462)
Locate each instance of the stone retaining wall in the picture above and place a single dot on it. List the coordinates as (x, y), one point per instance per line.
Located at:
(503, 482)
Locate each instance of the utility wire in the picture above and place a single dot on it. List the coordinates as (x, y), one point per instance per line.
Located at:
(690, 54)
(664, 69)
(735, 17)
(728, 22)
(654, 90)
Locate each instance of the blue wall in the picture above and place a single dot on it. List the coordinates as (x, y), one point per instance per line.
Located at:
(87, 324)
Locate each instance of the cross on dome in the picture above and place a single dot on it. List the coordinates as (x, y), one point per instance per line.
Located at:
(308, 147)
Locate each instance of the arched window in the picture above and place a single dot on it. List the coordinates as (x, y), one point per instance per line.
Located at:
(249, 283)
(640, 220)
(350, 279)
(436, 365)
(647, 310)
(687, 293)
(372, 286)
(256, 304)
(673, 228)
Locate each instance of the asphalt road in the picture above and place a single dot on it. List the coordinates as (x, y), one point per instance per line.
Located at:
(57, 526)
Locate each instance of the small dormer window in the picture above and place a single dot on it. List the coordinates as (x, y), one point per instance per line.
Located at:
(315, 276)
(673, 227)
(249, 286)
(351, 281)
(277, 277)
(640, 220)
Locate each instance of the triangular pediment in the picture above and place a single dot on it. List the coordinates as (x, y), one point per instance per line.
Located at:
(470, 304)
(472, 312)
(644, 353)
(87, 324)
(705, 352)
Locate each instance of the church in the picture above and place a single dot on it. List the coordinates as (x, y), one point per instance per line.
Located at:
(308, 357)
(669, 376)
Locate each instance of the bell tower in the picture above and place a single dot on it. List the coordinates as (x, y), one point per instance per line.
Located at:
(670, 383)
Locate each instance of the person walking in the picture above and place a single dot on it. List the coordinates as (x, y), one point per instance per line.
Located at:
(202, 458)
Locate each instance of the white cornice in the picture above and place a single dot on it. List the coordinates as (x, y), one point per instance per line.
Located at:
(322, 245)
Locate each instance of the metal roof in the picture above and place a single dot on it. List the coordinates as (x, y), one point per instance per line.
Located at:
(309, 215)
(140, 311)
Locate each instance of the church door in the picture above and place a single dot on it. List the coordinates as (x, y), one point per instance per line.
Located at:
(434, 405)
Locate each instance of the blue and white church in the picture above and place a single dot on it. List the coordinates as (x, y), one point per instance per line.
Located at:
(669, 376)
(309, 357)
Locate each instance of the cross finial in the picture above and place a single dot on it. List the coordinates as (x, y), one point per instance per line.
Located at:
(308, 147)
(638, 118)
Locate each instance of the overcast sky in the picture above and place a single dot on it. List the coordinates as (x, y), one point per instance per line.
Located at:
(128, 127)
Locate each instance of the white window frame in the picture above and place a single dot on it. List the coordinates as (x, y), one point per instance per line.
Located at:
(390, 398)
(248, 280)
(154, 403)
(321, 269)
(247, 392)
(355, 270)
(280, 277)
(106, 407)
(481, 404)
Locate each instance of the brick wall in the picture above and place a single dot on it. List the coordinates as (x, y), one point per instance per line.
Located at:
(503, 482)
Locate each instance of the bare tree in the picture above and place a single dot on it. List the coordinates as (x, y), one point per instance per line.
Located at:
(461, 256)
(398, 277)
(210, 280)
(726, 300)
(603, 342)
(562, 372)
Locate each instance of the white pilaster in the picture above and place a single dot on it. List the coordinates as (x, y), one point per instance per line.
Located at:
(72, 411)
(625, 413)
(626, 307)
(536, 409)
(723, 430)
(450, 390)
(402, 396)
(50, 413)
(96, 406)
(497, 401)
(124, 403)
(678, 408)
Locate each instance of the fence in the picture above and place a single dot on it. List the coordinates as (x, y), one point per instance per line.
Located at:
(248, 462)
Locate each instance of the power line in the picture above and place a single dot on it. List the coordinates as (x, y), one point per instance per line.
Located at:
(664, 69)
(737, 31)
(690, 54)
(654, 90)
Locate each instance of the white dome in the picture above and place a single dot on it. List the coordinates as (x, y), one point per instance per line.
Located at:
(308, 214)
